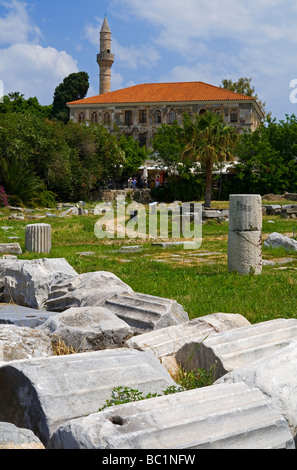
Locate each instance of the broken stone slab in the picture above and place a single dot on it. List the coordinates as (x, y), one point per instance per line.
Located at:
(230, 350)
(88, 329)
(131, 248)
(16, 217)
(23, 343)
(278, 262)
(168, 341)
(12, 314)
(12, 437)
(272, 209)
(211, 214)
(40, 394)
(4, 264)
(16, 208)
(10, 248)
(71, 211)
(146, 312)
(276, 377)
(289, 209)
(84, 290)
(278, 240)
(228, 416)
(27, 283)
(173, 244)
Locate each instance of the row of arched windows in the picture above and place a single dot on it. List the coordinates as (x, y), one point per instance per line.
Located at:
(157, 116)
(94, 117)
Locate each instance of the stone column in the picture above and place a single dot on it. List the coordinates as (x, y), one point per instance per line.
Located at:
(245, 234)
(38, 238)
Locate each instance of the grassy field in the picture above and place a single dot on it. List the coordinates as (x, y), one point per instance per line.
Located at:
(198, 279)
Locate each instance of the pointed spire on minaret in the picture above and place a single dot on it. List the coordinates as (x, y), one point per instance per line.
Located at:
(105, 26)
(105, 59)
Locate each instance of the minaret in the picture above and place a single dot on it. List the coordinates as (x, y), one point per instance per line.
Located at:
(105, 59)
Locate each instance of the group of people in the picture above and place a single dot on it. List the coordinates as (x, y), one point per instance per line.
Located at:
(138, 182)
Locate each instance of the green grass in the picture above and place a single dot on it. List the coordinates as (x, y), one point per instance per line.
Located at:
(201, 284)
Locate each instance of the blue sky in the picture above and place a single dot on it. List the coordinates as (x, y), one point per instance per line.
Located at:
(42, 42)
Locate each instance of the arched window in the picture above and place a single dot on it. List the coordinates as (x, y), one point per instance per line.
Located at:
(157, 117)
(202, 111)
(219, 112)
(94, 118)
(234, 115)
(106, 118)
(81, 117)
(171, 116)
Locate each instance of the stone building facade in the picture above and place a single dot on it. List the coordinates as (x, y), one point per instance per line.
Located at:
(140, 110)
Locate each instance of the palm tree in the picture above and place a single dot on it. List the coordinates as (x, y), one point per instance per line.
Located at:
(208, 139)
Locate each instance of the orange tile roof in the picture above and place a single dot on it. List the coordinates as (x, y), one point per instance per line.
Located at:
(165, 92)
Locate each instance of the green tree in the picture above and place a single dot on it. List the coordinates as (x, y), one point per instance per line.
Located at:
(168, 147)
(268, 158)
(134, 155)
(16, 103)
(244, 87)
(109, 156)
(74, 87)
(208, 140)
(17, 169)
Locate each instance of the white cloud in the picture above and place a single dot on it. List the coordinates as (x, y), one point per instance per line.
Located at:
(16, 25)
(34, 70)
(26, 66)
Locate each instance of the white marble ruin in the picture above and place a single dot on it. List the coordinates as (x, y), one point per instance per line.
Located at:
(245, 234)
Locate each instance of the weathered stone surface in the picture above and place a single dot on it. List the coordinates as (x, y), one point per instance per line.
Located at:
(171, 365)
(40, 394)
(168, 341)
(291, 196)
(88, 329)
(83, 290)
(245, 234)
(12, 437)
(4, 264)
(146, 312)
(272, 209)
(239, 347)
(13, 248)
(245, 212)
(289, 211)
(277, 240)
(38, 238)
(245, 252)
(224, 416)
(185, 244)
(11, 314)
(23, 343)
(212, 214)
(28, 283)
(276, 377)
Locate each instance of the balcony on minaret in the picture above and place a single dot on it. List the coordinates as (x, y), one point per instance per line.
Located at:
(105, 57)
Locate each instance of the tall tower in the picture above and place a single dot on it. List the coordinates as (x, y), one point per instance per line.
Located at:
(105, 59)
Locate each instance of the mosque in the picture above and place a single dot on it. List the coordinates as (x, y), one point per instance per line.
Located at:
(140, 110)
